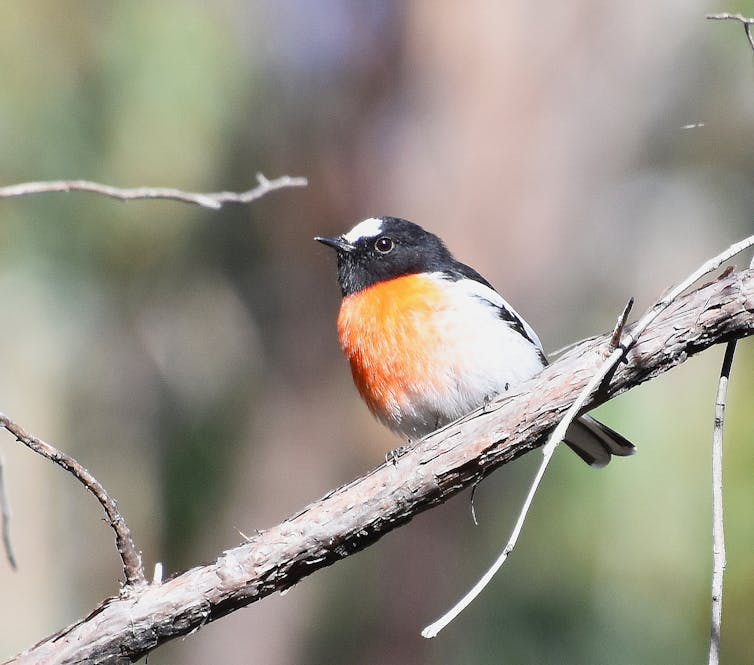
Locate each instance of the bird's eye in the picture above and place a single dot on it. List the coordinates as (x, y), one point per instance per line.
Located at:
(384, 245)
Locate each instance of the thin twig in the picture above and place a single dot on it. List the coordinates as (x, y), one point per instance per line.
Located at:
(5, 515)
(559, 432)
(434, 628)
(214, 200)
(722, 16)
(747, 22)
(547, 451)
(718, 528)
(133, 569)
(718, 533)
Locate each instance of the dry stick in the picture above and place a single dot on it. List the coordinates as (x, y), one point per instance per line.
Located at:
(5, 519)
(718, 533)
(747, 22)
(547, 452)
(133, 569)
(213, 200)
(559, 432)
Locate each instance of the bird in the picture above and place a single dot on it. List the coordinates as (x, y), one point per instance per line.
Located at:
(429, 340)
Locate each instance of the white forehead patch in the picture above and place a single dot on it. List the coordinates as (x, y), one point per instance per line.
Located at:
(369, 228)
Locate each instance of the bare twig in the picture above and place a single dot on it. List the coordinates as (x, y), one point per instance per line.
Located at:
(718, 529)
(614, 345)
(5, 519)
(558, 434)
(358, 514)
(723, 16)
(435, 627)
(747, 23)
(214, 200)
(133, 569)
(718, 533)
(547, 451)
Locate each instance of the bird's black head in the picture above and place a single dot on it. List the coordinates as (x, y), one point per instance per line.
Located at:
(382, 248)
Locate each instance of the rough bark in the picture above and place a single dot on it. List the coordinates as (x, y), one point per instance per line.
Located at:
(355, 515)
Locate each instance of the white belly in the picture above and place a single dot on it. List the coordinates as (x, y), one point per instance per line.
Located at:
(481, 358)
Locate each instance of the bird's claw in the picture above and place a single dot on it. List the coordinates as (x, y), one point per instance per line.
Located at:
(392, 456)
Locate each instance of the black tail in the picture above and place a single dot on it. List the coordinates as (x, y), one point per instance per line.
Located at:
(595, 443)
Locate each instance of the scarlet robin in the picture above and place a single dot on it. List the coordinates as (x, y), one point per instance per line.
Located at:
(429, 339)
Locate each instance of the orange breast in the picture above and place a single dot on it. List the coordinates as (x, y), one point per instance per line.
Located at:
(389, 333)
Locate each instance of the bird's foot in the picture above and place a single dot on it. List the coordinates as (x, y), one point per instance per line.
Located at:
(392, 456)
(489, 399)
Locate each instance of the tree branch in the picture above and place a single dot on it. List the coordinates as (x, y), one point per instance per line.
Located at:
(214, 200)
(356, 515)
(727, 16)
(133, 570)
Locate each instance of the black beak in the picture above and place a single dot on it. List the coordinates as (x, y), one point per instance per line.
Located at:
(338, 243)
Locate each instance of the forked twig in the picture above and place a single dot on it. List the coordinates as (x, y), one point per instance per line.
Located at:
(628, 341)
(747, 22)
(214, 200)
(133, 569)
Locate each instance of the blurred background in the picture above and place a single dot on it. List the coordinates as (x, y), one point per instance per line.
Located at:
(575, 153)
